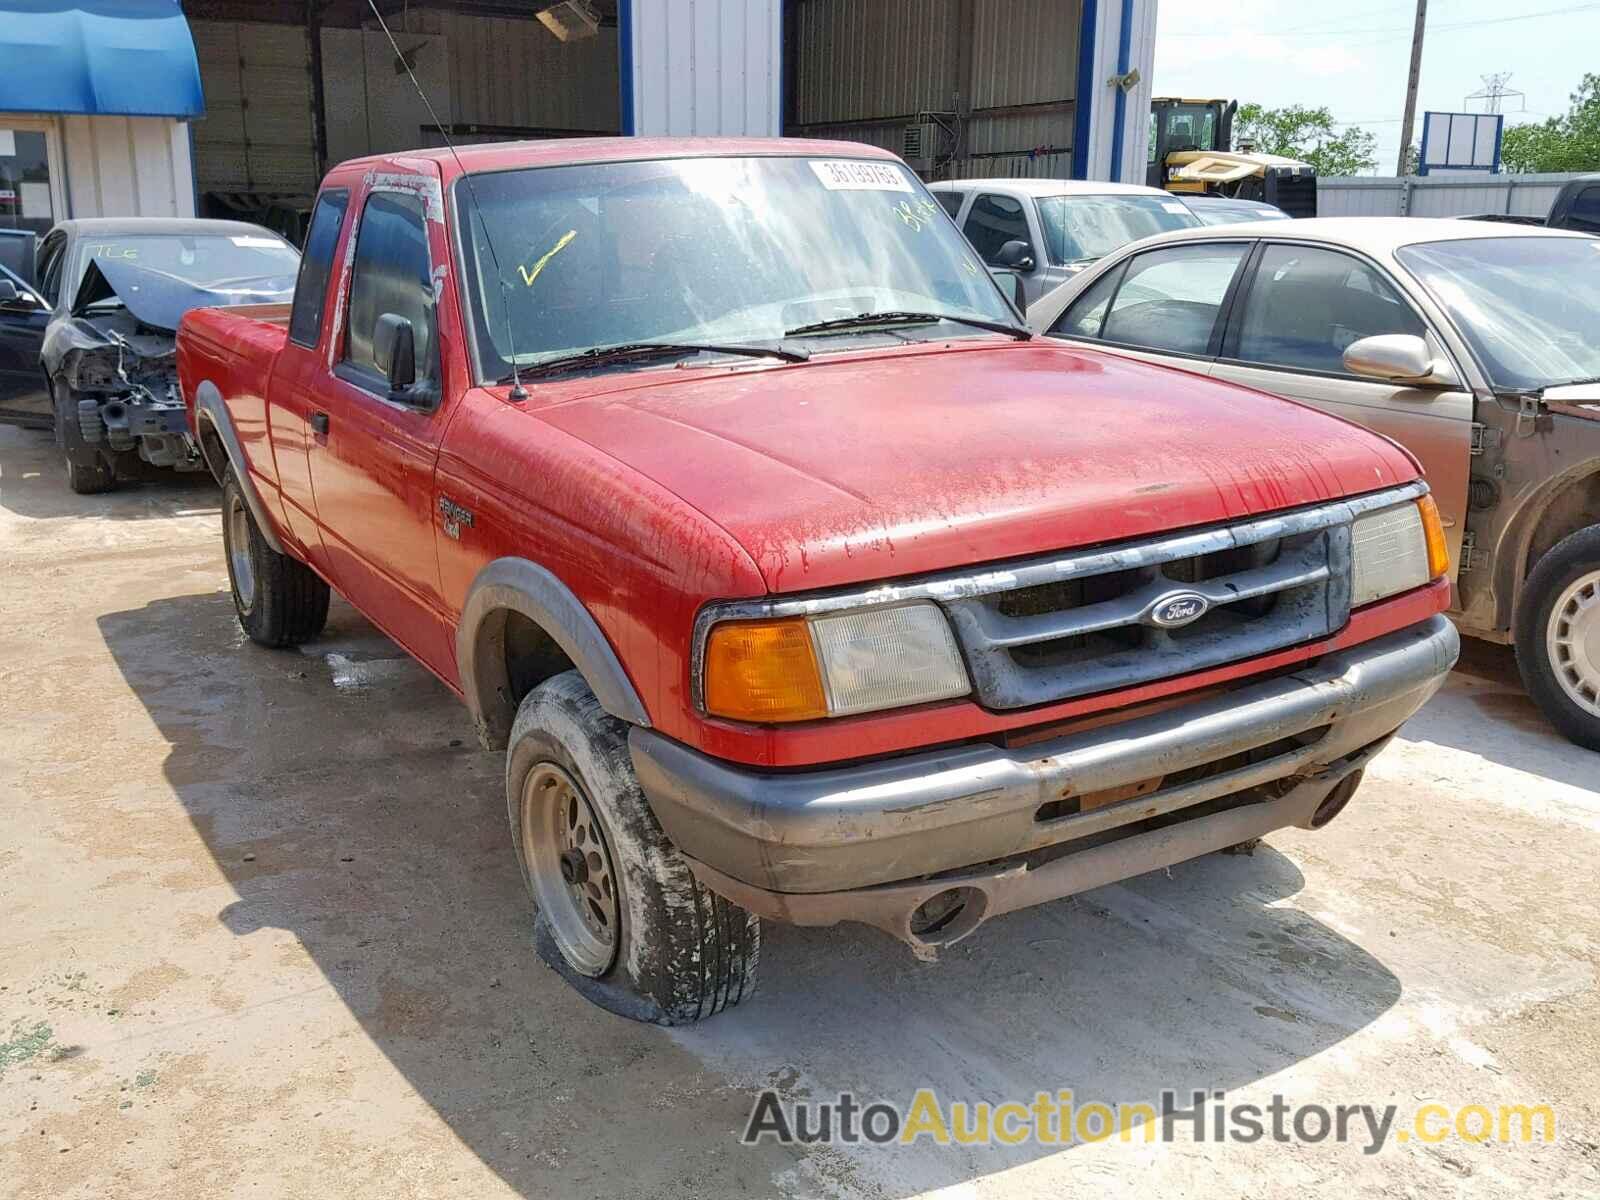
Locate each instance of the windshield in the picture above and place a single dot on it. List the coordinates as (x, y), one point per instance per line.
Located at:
(1081, 228)
(731, 251)
(264, 260)
(1528, 306)
(1228, 214)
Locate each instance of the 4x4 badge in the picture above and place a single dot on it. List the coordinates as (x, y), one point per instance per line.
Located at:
(454, 517)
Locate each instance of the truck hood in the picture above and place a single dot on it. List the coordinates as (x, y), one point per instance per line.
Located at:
(867, 467)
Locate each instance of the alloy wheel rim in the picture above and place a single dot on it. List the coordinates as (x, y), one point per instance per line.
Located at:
(570, 864)
(244, 573)
(1573, 642)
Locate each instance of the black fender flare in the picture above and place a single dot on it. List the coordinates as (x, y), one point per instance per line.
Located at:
(522, 586)
(210, 412)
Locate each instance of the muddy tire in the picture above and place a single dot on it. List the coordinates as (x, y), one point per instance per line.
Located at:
(1558, 636)
(280, 601)
(88, 471)
(621, 916)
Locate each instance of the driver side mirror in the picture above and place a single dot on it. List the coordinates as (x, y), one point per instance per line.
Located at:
(15, 301)
(1397, 358)
(1016, 255)
(394, 349)
(1011, 284)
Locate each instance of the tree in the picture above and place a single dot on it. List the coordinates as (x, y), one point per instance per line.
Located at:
(1566, 143)
(1307, 134)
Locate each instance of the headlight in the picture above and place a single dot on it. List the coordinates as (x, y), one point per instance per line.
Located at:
(1396, 549)
(832, 665)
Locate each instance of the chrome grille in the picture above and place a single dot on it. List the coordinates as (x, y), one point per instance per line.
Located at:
(1097, 626)
(1069, 625)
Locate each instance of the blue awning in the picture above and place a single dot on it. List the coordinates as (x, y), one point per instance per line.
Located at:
(130, 58)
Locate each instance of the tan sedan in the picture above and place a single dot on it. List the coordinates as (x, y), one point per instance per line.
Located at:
(1474, 345)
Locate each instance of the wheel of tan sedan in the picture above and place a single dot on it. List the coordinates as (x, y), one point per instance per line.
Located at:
(1558, 636)
(280, 601)
(620, 915)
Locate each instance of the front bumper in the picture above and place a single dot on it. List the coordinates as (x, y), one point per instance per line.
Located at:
(1007, 828)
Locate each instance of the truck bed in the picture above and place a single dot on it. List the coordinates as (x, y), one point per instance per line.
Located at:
(235, 348)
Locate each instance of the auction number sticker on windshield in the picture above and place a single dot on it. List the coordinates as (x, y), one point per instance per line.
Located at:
(1175, 206)
(853, 175)
(250, 242)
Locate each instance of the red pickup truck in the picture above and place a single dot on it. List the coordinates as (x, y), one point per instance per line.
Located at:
(727, 489)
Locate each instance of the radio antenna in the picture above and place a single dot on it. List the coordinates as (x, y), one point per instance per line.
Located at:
(518, 393)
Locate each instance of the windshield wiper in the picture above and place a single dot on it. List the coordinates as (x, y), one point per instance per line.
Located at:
(861, 320)
(599, 356)
(1569, 383)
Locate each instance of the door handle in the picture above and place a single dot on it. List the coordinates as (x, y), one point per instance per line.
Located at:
(319, 423)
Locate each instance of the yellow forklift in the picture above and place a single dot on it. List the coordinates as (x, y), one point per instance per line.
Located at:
(1191, 151)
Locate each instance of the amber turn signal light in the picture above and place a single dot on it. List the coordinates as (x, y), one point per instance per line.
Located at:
(1433, 531)
(763, 671)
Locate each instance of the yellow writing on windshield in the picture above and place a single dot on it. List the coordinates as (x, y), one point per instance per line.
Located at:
(919, 215)
(529, 276)
(112, 250)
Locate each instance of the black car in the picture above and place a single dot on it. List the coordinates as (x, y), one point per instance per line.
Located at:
(1576, 207)
(24, 396)
(89, 350)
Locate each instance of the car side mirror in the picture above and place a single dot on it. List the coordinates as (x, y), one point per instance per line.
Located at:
(1011, 284)
(12, 299)
(394, 349)
(1397, 358)
(1016, 255)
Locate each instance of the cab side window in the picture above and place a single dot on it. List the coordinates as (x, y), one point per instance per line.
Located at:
(1164, 300)
(992, 221)
(1305, 305)
(316, 267)
(950, 200)
(391, 275)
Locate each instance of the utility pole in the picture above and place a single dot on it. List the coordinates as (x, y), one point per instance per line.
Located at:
(1411, 86)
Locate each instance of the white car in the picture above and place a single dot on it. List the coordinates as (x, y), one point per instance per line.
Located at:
(1047, 230)
(1475, 346)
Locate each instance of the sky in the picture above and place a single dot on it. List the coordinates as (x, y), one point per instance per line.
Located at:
(1353, 58)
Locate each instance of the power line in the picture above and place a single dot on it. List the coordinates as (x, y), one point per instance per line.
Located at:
(1338, 25)
(1357, 31)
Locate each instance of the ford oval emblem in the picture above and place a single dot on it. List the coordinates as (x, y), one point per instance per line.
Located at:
(1179, 609)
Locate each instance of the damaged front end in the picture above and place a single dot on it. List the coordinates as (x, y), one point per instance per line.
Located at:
(126, 388)
(117, 352)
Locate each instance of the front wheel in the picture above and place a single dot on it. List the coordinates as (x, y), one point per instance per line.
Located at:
(621, 915)
(280, 601)
(1558, 636)
(88, 472)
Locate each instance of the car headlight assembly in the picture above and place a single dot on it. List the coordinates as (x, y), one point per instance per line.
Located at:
(1396, 549)
(831, 664)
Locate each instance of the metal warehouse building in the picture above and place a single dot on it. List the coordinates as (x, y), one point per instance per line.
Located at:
(285, 87)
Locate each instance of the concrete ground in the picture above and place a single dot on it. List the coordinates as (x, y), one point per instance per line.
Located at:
(263, 935)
